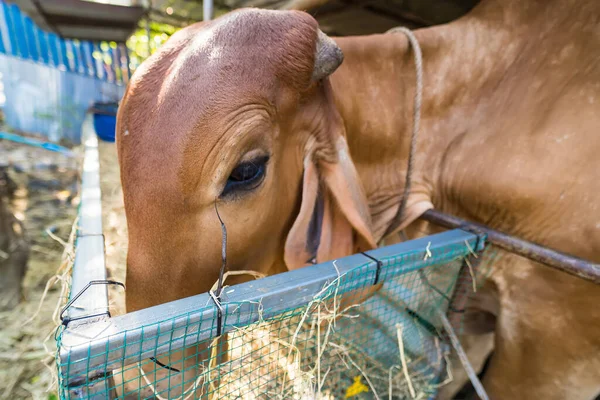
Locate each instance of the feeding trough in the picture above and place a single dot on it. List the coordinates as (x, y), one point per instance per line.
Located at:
(293, 335)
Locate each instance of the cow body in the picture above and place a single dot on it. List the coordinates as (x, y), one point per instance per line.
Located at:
(508, 138)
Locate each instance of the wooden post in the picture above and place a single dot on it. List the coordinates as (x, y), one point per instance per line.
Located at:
(14, 249)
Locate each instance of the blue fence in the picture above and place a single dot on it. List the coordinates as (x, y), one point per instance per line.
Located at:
(22, 38)
(47, 83)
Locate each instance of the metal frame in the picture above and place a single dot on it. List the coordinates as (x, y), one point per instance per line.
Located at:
(183, 323)
(89, 262)
(100, 341)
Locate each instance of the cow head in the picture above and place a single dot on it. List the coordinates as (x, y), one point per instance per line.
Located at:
(236, 113)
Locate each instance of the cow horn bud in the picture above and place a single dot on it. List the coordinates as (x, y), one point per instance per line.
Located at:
(328, 57)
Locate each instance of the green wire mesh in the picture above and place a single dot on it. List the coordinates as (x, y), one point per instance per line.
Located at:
(337, 346)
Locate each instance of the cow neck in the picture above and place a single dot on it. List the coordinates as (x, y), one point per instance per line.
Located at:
(374, 92)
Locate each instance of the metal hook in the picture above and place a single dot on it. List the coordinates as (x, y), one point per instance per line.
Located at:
(66, 320)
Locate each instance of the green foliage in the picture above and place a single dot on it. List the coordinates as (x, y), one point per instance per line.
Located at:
(138, 42)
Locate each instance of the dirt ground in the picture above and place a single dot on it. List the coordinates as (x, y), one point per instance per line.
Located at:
(47, 199)
(46, 202)
(113, 223)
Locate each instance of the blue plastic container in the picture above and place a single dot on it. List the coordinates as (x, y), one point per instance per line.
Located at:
(105, 120)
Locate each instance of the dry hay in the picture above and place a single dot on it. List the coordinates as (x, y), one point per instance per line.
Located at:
(300, 356)
(46, 202)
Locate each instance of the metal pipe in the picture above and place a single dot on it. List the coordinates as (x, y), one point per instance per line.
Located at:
(462, 355)
(89, 261)
(207, 10)
(552, 258)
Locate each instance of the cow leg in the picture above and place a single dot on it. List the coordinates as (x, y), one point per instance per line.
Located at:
(547, 338)
(533, 365)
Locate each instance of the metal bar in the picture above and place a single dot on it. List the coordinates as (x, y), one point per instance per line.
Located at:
(54, 45)
(551, 258)
(5, 28)
(127, 62)
(36, 143)
(30, 38)
(64, 58)
(119, 63)
(99, 347)
(89, 262)
(100, 70)
(463, 358)
(43, 44)
(82, 67)
(89, 254)
(17, 30)
(207, 10)
(75, 59)
(89, 59)
(2, 33)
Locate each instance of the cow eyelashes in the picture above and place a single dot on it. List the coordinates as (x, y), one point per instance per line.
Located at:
(247, 175)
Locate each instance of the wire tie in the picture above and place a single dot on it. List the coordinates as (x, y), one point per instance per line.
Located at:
(217, 301)
(379, 265)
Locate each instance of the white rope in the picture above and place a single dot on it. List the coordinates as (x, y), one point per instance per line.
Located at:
(416, 123)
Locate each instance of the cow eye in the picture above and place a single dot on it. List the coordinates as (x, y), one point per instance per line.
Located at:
(247, 175)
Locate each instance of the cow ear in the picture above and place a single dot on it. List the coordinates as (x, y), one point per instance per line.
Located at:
(334, 219)
(347, 220)
(302, 243)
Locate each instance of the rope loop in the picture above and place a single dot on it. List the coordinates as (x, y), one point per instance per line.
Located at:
(418, 57)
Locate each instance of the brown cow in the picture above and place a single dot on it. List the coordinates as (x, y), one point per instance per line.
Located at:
(239, 112)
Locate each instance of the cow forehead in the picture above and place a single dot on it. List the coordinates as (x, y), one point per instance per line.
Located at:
(216, 59)
(240, 37)
(242, 58)
(250, 50)
(181, 97)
